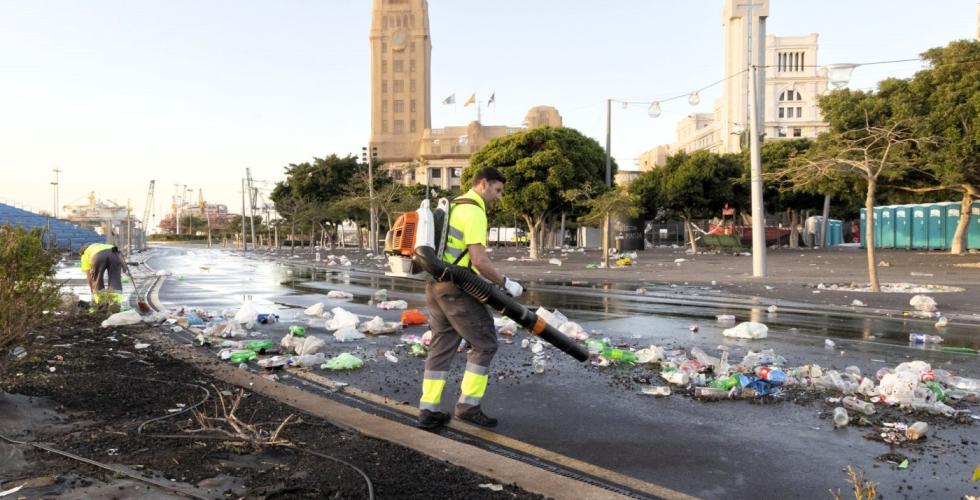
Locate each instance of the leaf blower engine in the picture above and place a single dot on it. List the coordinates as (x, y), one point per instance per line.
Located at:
(415, 235)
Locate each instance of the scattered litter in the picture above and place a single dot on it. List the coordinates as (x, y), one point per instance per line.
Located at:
(163, 272)
(917, 431)
(924, 275)
(652, 354)
(659, 390)
(772, 309)
(573, 330)
(884, 263)
(942, 322)
(904, 465)
(378, 326)
(556, 262)
(390, 356)
(273, 363)
(679, 261)
(537, 347)
(505, 325)
(857, 303)
(492, 486)
(246, 315)
(339, 295)
(125, 318)
(413, 317)
(314, 310)
(297, 331)
(747, 330)
(343, 361)
(347, 334)
(624, 262)
(393, 304)
(307, 360)
(342, 319)
(725, 318)
(553, 318)
(19, 352)
(141, 346)
(829, 344)
(923, 303)
(301, 345)
(641, 291)
(693, 328)
(51, 369)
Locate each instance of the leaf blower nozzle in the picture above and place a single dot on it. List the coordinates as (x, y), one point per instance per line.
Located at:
(489, 294)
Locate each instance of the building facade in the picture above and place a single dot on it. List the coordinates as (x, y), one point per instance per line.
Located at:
(401, 118)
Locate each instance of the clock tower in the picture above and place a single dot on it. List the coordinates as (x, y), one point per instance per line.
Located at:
(400, 78)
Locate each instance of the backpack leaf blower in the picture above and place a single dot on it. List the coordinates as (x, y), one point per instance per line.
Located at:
(415, 233)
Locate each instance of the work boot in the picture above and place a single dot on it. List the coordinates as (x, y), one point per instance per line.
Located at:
(476, 416)
(431, 420)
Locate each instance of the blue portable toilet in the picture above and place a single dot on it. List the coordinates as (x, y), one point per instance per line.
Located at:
(936, 213)
(920, 227)
(835, 232)
(887, 227)
(952, 220)
(863, 220)
(902, 222)
(973, 231)
(877, 223)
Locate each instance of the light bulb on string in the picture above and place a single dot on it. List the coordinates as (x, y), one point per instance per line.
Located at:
(654, 109)
(694, 99)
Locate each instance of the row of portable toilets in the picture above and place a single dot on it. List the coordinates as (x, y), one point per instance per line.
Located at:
(924, 226)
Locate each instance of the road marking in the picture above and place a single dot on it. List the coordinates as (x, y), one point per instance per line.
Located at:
(521, 446)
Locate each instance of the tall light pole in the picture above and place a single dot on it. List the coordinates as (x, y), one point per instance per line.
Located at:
(373, 223)
(54, 184)
(756, 62)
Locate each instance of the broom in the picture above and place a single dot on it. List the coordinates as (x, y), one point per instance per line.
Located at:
(140, 303)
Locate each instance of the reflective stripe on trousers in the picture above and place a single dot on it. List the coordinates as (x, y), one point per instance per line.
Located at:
(474, 384)
(432, 385)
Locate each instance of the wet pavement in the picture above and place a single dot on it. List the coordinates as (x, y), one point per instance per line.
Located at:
(714, 450)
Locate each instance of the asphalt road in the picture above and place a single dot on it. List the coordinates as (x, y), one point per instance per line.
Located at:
(731, 449)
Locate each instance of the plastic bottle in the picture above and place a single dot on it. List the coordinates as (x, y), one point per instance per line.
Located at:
(937, 390)
(966, 384)
(259, 346)
(917, 431)
(676, 377)
(774, 375)
(621, 355)
(840, 417)
(855, 404)
(660, 390)
(710, 393)
(242, 356)
(704, 358)
(922, 338)
(595, 346)
(307, 360)
(297, 331)
(726, 383)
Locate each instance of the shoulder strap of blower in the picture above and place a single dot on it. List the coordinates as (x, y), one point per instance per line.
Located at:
(445, 236)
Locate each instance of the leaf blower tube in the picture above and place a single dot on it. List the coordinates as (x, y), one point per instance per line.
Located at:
(485, 291)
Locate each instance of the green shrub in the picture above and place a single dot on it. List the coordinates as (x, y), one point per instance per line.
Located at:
(27, 284)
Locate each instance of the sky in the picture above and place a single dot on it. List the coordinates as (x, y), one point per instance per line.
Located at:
(115, 93)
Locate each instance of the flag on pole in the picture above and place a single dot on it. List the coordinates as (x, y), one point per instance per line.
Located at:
(471, 100)
(450, 100)
(492, 96)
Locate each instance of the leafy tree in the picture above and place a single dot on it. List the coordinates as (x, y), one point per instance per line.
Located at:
(612, 203)
(540, 165)
(28, 288)
(692, 185)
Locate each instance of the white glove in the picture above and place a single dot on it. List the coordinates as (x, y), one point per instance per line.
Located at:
(513, 288)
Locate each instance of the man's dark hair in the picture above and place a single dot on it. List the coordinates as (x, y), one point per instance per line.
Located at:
(490, 174)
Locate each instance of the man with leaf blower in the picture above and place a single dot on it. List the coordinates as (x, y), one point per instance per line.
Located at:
(455, 315)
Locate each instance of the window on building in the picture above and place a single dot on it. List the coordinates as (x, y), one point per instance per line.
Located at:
(384, 46)
(384, 85)
(798, 96)
(399, 66)
(398, 22)
(384, 106)
(384, 66)
(411, 105)
(411, 126)
(802, 57)
(384, 21)
(399, 105)
(399, 126)
(411, 66)
(797, 132)
(782, 112)
(435, 173)
(411, 47)
(384, 126)
(411, 85)
(399, 85)
(799, 112)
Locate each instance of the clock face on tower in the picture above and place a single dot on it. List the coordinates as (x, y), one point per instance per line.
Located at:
(399, 40)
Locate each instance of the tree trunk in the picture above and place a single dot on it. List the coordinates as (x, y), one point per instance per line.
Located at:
(690, 235)
(532, 232)
(360, 235)
(959, 238)
(869, 236)
(794, 233)
(292, 239)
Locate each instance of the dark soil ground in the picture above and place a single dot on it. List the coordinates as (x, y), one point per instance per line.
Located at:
(86, 390)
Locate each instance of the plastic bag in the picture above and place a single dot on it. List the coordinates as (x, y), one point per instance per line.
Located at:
(651, 354)
(337, 294)
(413, 317)
(393, 304)
(573, 330)
(307, 360)
(343, 361)
(301, 345)
(923, 303)
(342, 319)
(314, 310)
(124, 318)
(347, 334)
(747, 330)
(246, 314)
(378, 326)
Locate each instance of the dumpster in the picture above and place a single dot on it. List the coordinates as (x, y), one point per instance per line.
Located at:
(973, 231)
(936, 212)
(902, 221)
(887, 227)
(920, 227)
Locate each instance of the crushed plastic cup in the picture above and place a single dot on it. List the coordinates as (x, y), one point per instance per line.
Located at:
(537, 347)
(390, 356)
(841, 419)
(916, 431)
(538, 364)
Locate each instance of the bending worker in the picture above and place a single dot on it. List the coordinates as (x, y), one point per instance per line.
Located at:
(456, 315)
(99, 259)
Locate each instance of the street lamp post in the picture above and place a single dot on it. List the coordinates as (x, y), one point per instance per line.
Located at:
(755, 158)
(373, 223)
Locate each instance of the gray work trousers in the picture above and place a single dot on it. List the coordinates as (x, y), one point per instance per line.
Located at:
(111, 262)
(454, 315)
